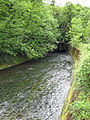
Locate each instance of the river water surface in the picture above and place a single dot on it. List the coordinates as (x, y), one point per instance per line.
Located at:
(36, 90)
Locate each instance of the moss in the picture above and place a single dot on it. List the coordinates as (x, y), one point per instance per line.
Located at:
(13, 61)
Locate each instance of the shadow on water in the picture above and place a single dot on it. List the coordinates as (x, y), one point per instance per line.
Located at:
(37, 89)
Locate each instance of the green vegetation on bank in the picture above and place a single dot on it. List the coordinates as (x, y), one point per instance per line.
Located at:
(77, 105)
(79, 34)
(79, 96)
(80, 107)
(32, 28)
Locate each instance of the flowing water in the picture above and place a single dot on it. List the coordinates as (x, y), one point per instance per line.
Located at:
(36, 90)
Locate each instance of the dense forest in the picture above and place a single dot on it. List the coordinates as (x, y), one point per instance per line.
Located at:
(32, 28)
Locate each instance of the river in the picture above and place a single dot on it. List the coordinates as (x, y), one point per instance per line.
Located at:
(36, 90)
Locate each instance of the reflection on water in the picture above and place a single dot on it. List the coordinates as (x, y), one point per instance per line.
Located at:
(36, 90)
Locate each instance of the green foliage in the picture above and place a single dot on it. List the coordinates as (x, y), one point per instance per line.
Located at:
(64, 16)
(88, 31)
(80, 109)
(33, 28)
(83, 72)
(27, 28)
(76, 31)
(79, 31)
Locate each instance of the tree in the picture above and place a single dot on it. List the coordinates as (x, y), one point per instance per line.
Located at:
(78, 32)
(53, 3)
(27, 28)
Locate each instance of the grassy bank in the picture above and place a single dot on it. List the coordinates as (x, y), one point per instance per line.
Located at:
(77, 105)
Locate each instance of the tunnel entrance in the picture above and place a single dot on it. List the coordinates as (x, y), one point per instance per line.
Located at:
(62, 47)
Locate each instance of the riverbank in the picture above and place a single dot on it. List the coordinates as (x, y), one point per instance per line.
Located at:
(37, 86)
(11, 61)
(77, 104)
